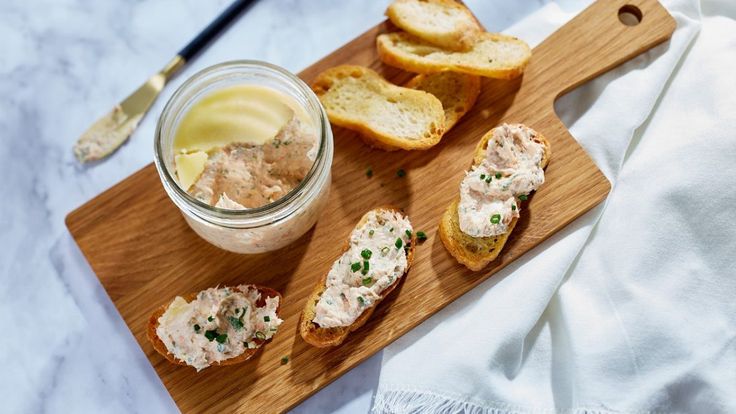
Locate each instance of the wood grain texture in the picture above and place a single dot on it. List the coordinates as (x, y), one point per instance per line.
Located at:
(144, 253)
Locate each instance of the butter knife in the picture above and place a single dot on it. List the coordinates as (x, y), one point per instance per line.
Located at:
(109, 132)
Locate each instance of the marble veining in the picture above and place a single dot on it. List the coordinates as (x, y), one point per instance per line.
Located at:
(65, 63)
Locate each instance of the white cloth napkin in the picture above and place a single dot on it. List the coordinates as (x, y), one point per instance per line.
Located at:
(632, 308)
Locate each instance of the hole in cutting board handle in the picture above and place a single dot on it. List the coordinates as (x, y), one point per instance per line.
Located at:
(629, 15)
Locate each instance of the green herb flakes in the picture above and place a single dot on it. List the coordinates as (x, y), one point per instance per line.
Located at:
(236, 323)
(210, 335)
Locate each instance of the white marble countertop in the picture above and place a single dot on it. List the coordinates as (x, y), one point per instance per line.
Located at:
(65, 63)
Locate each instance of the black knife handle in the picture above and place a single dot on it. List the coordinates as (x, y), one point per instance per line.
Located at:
(213, 29)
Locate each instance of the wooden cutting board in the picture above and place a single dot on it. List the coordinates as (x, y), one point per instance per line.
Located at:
(144, 254)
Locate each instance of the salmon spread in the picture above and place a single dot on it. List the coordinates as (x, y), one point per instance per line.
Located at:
(490, 191)
(244, 146)
(245, 175)
(221, 323)
(376, 259)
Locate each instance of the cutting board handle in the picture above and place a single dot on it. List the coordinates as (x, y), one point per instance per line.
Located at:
(597, 40)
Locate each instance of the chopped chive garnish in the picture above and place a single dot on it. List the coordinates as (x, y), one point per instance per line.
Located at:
(498, 175)
(210, 335)
(488, 180)
(367, 280)
(267, 318)
(513, 207)
(284, 360)
(221, 338)
(245, 345)
(400, 173)
(210, 318)
(482, 176)
(384, 250)
(366, 253)
(196, 327)
(371, 232)
(369, 172)
(260, 335)
(496, 218)
(523, 197)
(361, 300)
(422, 236)
(236, 323)
(408, 233)
(366, 267)
(399, 243)
(391, 230)
(355, 267)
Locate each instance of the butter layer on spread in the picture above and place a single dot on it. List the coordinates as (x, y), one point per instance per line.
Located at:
(376, 258)
(510, 171)
(243, 146)
(221, 323)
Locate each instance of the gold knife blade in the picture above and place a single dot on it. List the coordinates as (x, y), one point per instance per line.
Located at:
(109, 132)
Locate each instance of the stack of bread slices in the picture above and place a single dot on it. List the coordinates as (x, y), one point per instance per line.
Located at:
(441, 41)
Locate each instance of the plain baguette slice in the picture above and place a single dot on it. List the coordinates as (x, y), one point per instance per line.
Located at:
(387, 116)
(444, 23)
(477, 252)
(493, 55)
(457, 92)
(160, 347)
(326, 337)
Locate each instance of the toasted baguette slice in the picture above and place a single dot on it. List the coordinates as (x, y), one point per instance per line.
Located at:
(387, 116)
(477, 252)
(443, 23)
(456, 91)
(493, 55)
(160, 347)
(326, 337)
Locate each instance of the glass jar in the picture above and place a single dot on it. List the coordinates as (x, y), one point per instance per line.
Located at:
(252, 230)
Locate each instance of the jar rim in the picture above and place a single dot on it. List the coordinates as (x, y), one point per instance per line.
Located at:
(209, 212)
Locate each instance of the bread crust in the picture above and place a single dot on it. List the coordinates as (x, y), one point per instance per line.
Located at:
(374, 138)
(160, 347)
(417, 63)
(327, 337)
(476, 253)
